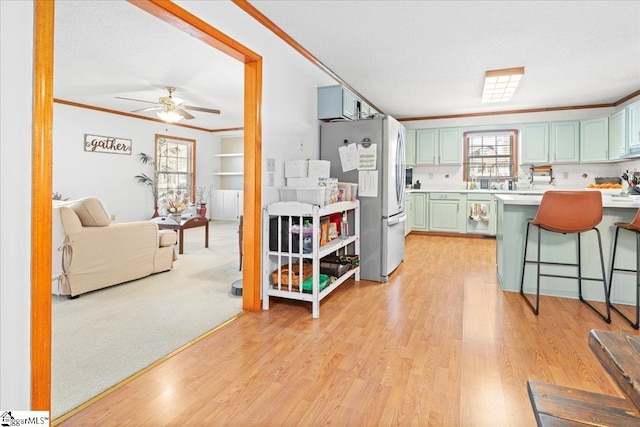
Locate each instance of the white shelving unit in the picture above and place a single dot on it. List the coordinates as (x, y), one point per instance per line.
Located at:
(288, 212)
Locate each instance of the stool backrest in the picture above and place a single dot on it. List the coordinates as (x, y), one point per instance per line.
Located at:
(636, 220)
(569, 211)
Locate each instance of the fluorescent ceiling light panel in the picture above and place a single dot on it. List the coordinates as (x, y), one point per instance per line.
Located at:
(500, 85)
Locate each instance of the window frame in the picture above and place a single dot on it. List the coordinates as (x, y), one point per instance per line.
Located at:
(191, 173)
(514, 140)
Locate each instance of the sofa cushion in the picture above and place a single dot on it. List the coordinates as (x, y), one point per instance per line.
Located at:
(167, 238)
(91, 212)
(70, 221)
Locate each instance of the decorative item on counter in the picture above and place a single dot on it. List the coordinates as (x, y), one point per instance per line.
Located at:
(175, 202)
(417, 185)
(613, 182)
(633, 179)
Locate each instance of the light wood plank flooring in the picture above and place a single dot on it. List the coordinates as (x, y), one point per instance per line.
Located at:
(438, 345)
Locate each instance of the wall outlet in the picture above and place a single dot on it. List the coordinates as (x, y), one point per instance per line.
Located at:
(430, 175)
(113, 217)
(565, 175)
(272, 179)
(271, 165)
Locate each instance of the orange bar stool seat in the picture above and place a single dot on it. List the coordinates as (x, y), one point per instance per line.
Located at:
(633, 226)
(567, 212)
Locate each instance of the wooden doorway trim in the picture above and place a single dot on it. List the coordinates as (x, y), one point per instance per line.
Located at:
(42, 173)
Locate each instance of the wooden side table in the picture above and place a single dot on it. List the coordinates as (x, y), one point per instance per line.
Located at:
(185, 223)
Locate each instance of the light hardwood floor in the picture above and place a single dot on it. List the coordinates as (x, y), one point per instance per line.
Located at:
(438, 345)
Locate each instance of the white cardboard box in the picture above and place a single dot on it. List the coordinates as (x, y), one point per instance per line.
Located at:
(302, 182)
(296, 168)
(319, 169)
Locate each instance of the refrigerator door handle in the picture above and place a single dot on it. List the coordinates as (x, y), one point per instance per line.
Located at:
(398, 220)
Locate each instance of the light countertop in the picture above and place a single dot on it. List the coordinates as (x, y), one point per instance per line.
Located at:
(608, 200)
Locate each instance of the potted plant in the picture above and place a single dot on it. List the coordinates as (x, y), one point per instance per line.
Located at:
(147, 180)
(202, 195)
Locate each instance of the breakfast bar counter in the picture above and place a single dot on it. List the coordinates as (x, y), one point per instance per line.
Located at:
(513, 212)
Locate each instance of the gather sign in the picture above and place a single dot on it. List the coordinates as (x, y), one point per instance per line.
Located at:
(106, 144)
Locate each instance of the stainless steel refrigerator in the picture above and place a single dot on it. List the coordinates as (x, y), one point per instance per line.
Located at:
(382, 196)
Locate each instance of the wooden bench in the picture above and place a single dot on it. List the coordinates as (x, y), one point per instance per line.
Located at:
(556, 406)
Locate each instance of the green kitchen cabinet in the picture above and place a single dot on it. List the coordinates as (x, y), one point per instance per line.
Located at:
(410, 147)
(446, 214)
(427, 142)
(450, 148)
(565, 142)
(633, 117)
(408, 210)
(594, 140)
(617, 134)
(535, 143)
(438, 147)
(420, 213)
(336, 102)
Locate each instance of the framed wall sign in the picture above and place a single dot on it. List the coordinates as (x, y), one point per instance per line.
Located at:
(106, 144)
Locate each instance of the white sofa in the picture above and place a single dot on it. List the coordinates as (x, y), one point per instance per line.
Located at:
(90, 253)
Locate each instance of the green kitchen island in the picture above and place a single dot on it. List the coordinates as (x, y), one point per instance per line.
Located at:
(513, 212)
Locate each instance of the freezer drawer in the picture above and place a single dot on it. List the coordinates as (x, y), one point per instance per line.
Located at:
(393, 233)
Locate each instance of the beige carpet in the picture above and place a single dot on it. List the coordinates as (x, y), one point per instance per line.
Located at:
(103, 337)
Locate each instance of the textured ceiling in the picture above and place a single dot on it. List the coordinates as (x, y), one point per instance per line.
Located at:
(105, 49)
(426, 58)
(408, 58)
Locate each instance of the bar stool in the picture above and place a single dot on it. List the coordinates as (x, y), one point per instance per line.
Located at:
(567, 212)
(633, 226)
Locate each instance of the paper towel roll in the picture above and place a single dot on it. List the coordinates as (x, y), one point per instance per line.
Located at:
(541, 179)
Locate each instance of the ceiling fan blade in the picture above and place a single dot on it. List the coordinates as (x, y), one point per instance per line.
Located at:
(184, 114)
(204, 110)
(139, 100)
(148, 109)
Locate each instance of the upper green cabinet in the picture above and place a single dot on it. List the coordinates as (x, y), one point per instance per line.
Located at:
(450, 151)
(410, 144)
(617, 134)
(594, 140)
(438, 147)
(633, 116)
(335, 102)
(427, 141)
(535, 143)
(565, 142)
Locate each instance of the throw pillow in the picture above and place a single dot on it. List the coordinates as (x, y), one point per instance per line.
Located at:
(91, 212)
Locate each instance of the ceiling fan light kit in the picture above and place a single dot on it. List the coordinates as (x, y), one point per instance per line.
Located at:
(172, 109)
(169, 116)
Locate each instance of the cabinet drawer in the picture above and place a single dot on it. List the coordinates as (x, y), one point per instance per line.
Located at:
(444, 196)
(479, 197)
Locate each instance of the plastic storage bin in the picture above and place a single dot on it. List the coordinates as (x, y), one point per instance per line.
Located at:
(312, 195)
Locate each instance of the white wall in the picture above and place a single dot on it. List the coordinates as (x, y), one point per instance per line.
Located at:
(288, 117)
(16, 52)
(451, 177)
(289, 108)
(110, 177)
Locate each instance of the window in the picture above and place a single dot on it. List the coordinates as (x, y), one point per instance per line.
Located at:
(175, 165)
(490, 155)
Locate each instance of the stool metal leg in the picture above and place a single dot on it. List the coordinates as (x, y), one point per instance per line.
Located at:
(524, 263)
(637, 271)
(606, 318)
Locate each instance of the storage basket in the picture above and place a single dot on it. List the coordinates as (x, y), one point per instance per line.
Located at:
(307, 271)
(608, 180)
(334, 269)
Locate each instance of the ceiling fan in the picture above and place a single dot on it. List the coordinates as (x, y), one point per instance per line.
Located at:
(171, 108)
